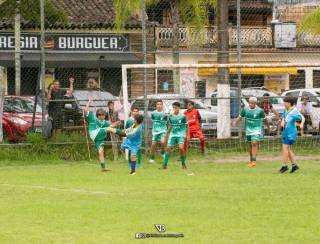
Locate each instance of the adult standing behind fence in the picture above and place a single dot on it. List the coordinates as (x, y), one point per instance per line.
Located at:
(92, 84)
(305, 108)
(119, 108)
(55, 107)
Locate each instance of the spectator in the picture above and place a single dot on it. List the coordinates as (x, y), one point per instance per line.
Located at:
(112, 115)
(305, 108)
(55, 107)
(272, 114)
(92, 84)
(119, 108)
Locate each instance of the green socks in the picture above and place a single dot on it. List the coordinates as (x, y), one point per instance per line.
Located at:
(103, 165)
(166, 159)
(183, 159)
(253, 159)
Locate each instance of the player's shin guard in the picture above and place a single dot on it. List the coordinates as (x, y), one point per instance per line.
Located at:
(166, 159)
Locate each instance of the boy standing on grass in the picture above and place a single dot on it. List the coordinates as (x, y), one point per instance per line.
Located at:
(98, 131)
(177, 134)
(159, 128)
(194, 126)
(253, 116)
(130, 122)
(289, 134)
(132, 141)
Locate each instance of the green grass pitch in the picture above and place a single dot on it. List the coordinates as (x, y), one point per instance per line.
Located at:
(220, 203)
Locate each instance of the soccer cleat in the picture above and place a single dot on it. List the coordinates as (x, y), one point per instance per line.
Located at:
(251, 164)
(283, 169)
(294, 168)
(184, 166)
(132, 173)
(151, 161)
(163, 167)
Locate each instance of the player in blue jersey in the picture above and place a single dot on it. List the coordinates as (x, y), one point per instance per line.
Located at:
(289, 134)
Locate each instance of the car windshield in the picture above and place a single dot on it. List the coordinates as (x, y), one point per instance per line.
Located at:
(19, 105)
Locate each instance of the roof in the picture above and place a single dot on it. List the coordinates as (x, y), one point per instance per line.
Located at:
(92, 14)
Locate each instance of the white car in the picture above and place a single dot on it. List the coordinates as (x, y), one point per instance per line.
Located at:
(208, 117)
(314, 98)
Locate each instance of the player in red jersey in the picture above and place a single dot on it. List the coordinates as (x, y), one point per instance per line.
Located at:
(194, 125)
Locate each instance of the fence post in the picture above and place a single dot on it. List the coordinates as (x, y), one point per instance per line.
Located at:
(17, 49)
(43, 68)
(239, 60)
(1, 110)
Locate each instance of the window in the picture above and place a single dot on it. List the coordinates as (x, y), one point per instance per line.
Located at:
(311, 97)
(316, 78)
(214, 100)
(297, 81)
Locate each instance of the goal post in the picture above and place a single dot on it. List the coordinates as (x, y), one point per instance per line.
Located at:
(275, 76)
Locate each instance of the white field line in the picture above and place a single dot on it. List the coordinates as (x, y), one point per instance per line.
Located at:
(83, 191)
(47, 188)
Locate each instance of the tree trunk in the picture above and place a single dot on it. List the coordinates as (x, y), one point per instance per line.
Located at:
(175, 13)
(224, 122)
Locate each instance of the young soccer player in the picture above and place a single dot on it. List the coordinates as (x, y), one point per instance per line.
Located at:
(177, 134)
(254, 117)
(130, 122)
(132, 141)
(194, 125)
(289, 133)
(98, 131)
(159, 128)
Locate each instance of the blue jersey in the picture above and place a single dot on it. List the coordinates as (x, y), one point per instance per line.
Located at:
(290, 117)
(133, 139)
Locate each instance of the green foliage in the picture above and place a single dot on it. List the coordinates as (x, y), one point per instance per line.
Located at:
(30, 11)
(311, 23)
(192, 12)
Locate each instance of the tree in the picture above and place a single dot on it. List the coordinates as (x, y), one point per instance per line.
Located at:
(311, 22)
(191, 12)
(30, 11)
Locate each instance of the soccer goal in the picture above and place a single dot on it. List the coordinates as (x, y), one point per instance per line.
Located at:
(221, 91)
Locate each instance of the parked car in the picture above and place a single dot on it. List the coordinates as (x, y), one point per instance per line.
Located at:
(208, 117)
(17, 117)
(314, 97)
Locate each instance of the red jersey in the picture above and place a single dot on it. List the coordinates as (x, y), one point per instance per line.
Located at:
(194, 119)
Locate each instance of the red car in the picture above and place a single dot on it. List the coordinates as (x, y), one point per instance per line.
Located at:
(17, 117)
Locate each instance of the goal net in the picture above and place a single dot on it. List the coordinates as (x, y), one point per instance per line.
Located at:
(221, 91)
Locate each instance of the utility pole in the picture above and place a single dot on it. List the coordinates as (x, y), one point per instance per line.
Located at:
(17, 48)
(224, 121)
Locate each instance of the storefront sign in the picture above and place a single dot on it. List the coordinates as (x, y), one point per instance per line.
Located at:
(68, 42)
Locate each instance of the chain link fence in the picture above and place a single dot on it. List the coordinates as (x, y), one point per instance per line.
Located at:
(84, 45)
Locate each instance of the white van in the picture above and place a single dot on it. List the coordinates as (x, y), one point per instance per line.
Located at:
(314, 98)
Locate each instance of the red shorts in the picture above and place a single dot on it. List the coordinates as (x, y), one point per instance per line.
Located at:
(195, 134)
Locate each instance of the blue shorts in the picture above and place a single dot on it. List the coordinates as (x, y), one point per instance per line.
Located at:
(288, 141)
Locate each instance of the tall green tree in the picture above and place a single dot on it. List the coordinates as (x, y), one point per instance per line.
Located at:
(189, 12)
(311, 22)
(30, 11)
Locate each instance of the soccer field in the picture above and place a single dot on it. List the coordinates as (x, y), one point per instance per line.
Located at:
(218, 203)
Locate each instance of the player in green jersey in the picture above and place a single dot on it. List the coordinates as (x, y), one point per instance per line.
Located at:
(177, 131)
(159, 128)
(97, 127)
(254, 117)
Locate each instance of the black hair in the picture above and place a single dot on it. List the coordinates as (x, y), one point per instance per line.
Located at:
(134, 108)
(191, 102)
(266, 95)
(110, 102)
(100, 111)
(176, 104)
(138, 118)
(290, 99)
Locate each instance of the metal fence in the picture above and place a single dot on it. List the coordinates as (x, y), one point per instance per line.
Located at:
(82, 44)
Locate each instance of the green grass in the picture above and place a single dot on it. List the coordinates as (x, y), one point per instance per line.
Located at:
(60, 202)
